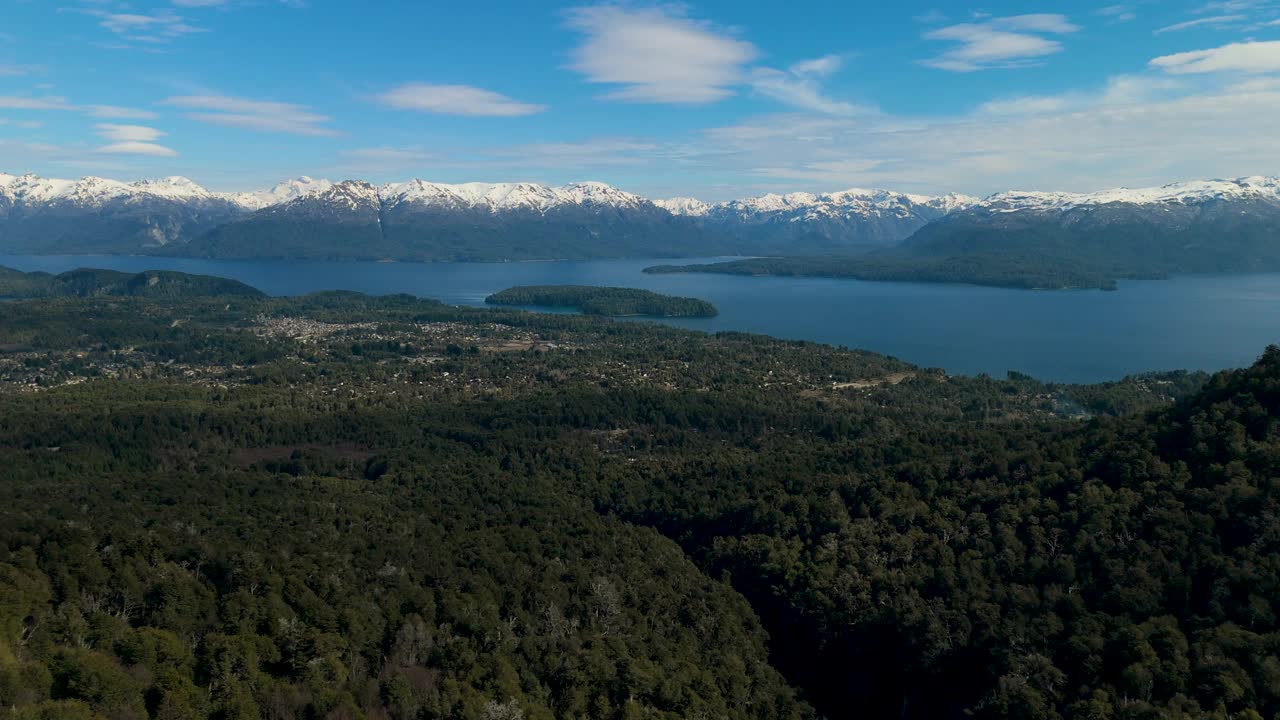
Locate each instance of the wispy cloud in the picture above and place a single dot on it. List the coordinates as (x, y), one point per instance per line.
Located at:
(249, 114)
(657, 54)
(116, 112)
(160, 27)
(1246, 57)
(1214, 21)
(21, 102)
(800, 85)
(58, 103)
(133, 140)
(381, 159)
(1007, 42)
(1118, 13)
(387, 154)
(462, 100)
(1135, 130)
(17, 70)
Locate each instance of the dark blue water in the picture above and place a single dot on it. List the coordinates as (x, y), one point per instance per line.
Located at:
(1196, 322)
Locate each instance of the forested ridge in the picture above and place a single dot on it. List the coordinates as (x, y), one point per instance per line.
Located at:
(342, 507)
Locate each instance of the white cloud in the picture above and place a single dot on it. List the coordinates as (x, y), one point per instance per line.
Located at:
(657, 55)
(1215, 21)
(798, 86)
(128, 133)
(262, 115)
(158, 28)
(115, 112)
(1118, 13)
(1247, 57)
(455, 100)
(1007, 42)
(138, 148)
(821, 67)
(132, 140)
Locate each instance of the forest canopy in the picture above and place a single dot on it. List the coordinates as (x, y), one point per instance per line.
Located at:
(340, 506)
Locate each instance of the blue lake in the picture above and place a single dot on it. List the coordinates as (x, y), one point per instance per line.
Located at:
(1193, 322)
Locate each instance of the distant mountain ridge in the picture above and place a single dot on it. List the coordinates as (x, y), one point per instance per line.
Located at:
(420, 220)
(1202, 226)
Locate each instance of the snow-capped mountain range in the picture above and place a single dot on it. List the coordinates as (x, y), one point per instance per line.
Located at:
(1198, 192)
(498, 197)
(529, 220)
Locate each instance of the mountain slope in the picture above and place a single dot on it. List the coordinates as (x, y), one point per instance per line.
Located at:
(99, 215)
(425, 221)
(1211, 226)
(1215, 225)
(850, 220)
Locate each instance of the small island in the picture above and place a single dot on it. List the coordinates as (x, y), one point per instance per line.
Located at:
(606, 301)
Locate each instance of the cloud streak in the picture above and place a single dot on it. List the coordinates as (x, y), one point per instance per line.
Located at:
(21, 102)
(1216, 21)
(1246, 57)
(1007, 42)
(249, 114)
(158, 28)
(463, 100)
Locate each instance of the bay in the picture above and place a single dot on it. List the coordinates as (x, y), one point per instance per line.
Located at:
(1189, 322)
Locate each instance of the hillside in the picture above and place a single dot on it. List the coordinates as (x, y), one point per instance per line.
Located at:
(91, 283)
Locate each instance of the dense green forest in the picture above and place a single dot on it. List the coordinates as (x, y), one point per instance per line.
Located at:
(998, 270)
(607, 301)
(339, 506)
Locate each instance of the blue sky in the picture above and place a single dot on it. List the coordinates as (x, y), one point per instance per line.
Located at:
(713, 99)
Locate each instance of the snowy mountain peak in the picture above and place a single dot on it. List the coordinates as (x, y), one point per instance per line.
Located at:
(685, 206)
(281, 193)
(598, 193)
(175, 187)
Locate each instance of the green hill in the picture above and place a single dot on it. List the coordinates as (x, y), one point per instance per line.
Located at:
(89, 282)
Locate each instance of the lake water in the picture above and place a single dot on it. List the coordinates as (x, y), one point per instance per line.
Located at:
(1194, 322)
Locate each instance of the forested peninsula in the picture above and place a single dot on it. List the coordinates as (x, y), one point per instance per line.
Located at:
(1010, 271)
(607, 301)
